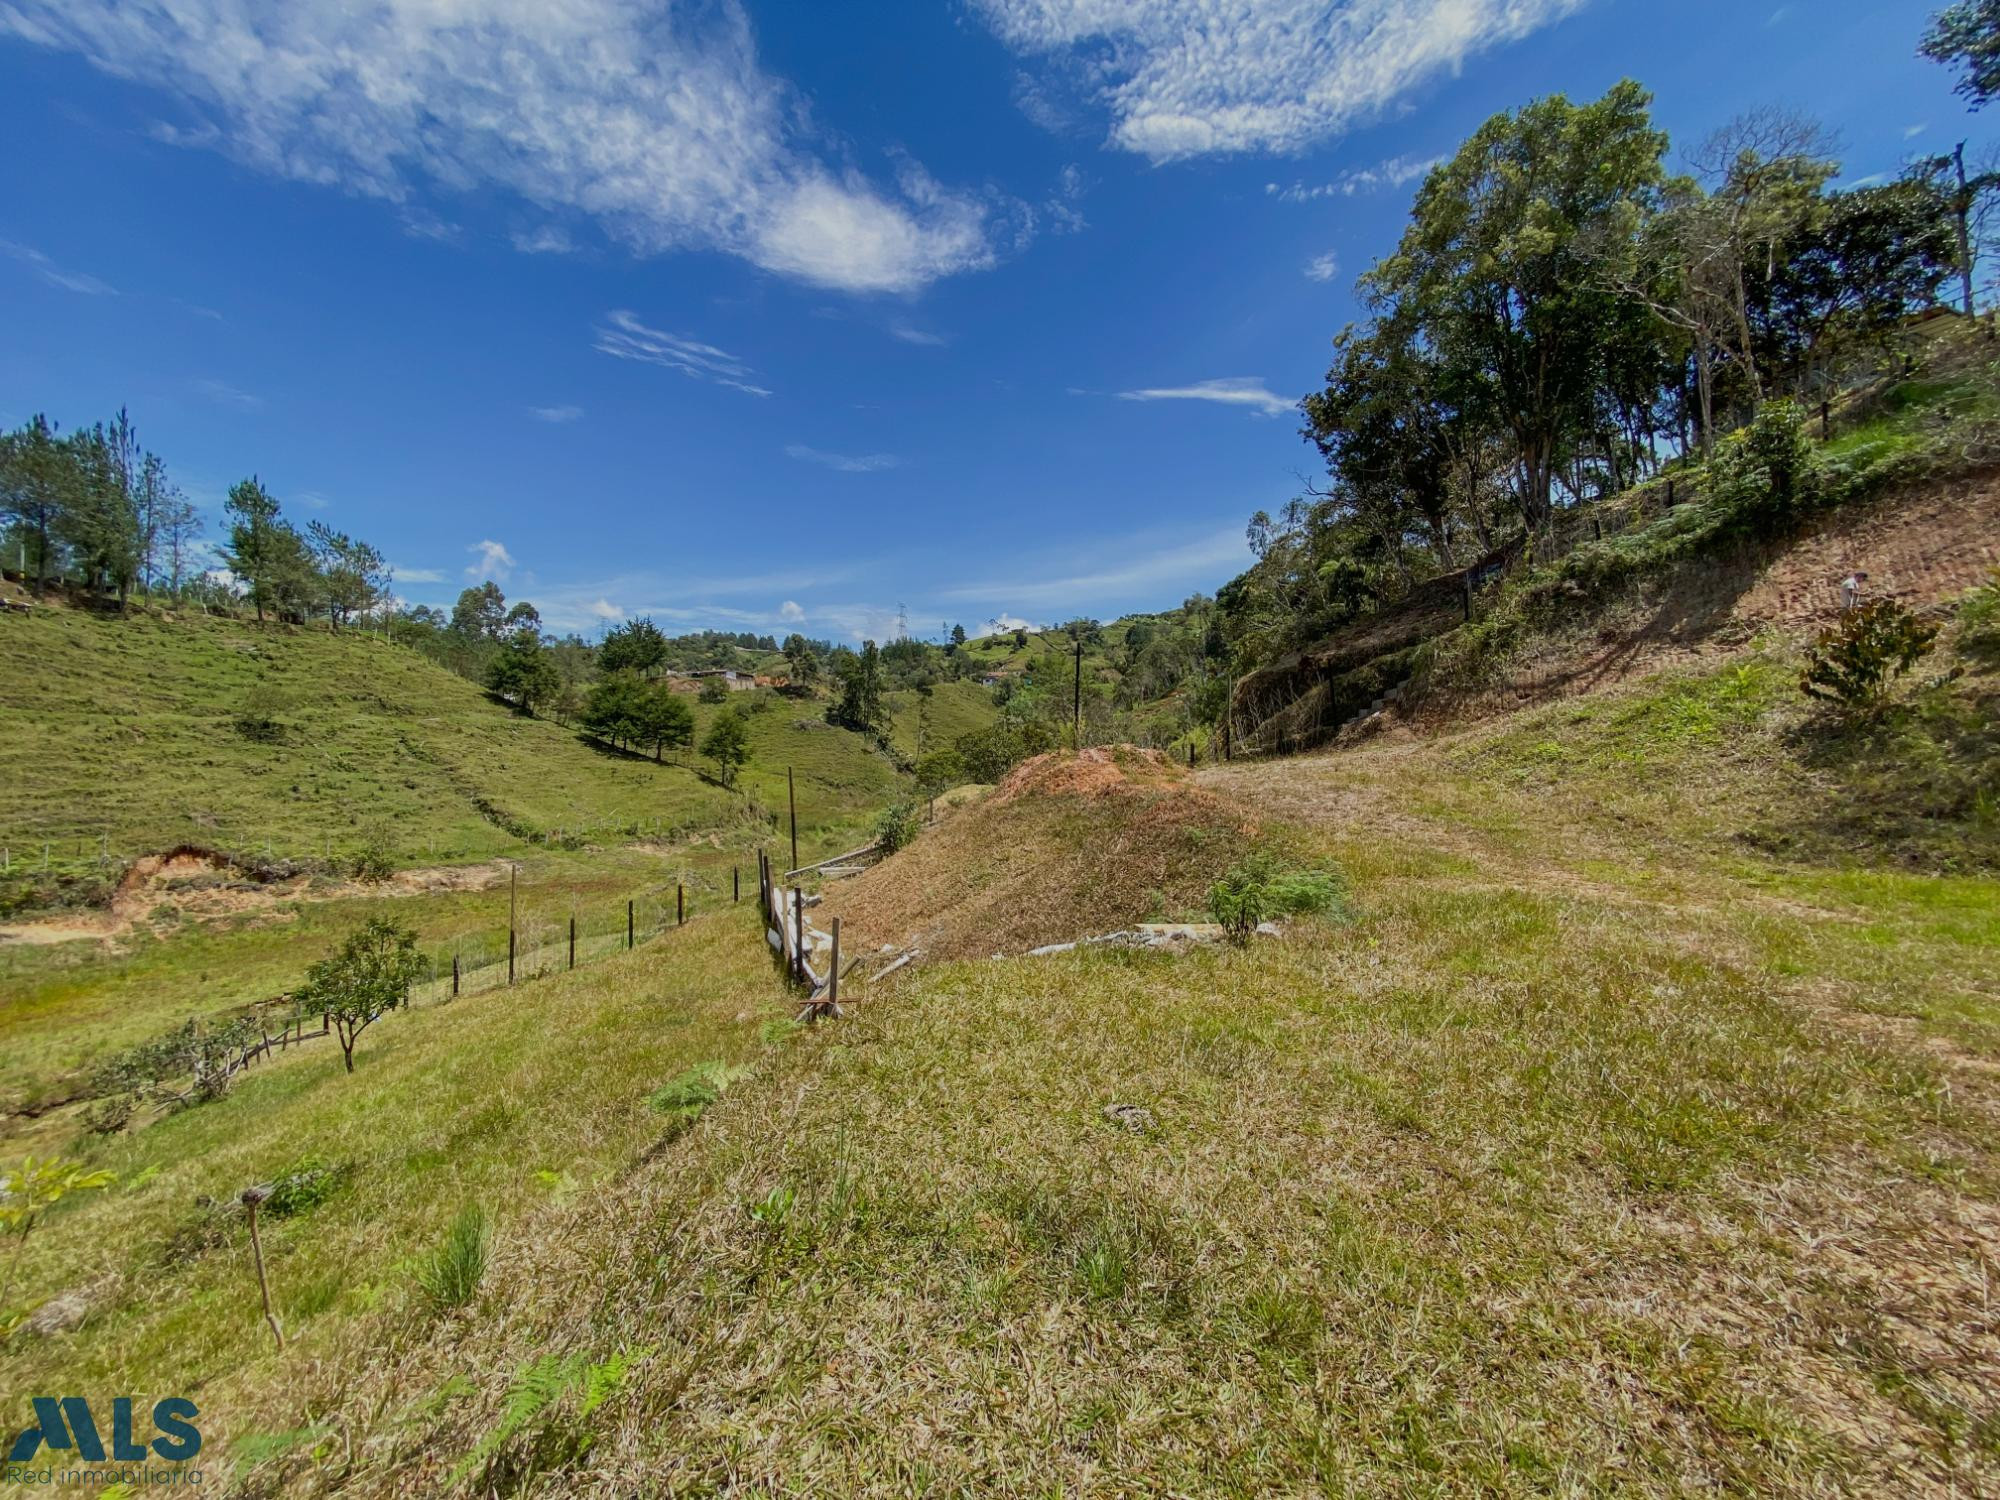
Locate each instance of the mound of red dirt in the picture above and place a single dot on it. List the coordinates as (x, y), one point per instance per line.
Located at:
(1065, 847)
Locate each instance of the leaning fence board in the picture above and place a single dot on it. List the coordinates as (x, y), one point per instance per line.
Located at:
(834, 859)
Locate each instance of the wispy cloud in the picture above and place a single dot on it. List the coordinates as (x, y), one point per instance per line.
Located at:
(909, 333)
(1911, 132)
(866, 463)
(557, 414)
(224, 394)
(623, 336)
(416, 575)
(1397, 171)
(1235, 390)
(604, 609)
(1121, 575)
(791, 612)
(544, 239)
(492, 561)
(48, 270)
(1184, 78)
(657, 122)
(1323, 267)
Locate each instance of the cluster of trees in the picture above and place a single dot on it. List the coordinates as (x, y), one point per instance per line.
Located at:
(298, 576)
(1564, 315)
(96, 507)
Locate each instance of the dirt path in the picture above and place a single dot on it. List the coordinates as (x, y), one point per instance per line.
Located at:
(202, 886)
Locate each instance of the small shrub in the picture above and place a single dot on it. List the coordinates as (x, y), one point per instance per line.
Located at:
(1768, 472)
(260, 720)
(303, 1187)
(1853, 662)
(684, 1097)
(451, 1275)
(111, 1114)
(1979, 620)
(899, 826)
(376, 860)
(1260, 890)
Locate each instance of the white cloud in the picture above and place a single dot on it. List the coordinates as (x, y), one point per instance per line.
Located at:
(866, 463)
(1121, 575)
(1001, 624)
(557, 414)
(545, 239)
(909, 333)
(48, 270)
(790, 611)
(1911, 132)
(416, 575)
(604, 609)
(494, 562)
(224, 394)
(658, 122)
(1191, 77)
(625, 337)
(1323, 267)
(1397, 171)
(1236, 390)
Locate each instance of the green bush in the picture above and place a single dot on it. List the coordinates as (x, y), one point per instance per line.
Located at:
(450, 1276)
(1769, 471)
(900, 824)
(1260, 890)
(303, 1187)
(1853, 662)
(686, 1095)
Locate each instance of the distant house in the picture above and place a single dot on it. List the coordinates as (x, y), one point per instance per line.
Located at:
(991, 679)
(734, 681)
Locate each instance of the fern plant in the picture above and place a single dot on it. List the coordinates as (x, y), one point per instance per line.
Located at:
(542, 1384)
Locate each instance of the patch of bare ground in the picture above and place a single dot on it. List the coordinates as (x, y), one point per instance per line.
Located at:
(204, 886)
(1923, 547)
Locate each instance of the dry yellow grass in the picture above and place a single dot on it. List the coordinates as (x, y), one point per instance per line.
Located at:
(1065, 847)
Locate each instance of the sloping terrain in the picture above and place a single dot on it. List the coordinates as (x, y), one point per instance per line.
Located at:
(1593, 1151)
(126, 737)
(1066, 847)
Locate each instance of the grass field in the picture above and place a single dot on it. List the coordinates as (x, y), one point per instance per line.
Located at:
(1589, 1149)
(121, 737)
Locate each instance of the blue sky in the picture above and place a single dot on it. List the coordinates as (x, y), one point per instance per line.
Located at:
(788, 315)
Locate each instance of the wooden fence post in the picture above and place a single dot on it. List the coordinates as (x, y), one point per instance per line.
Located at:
(792, 797)
(833, 974)
(680, 905)
(799, 930)
(628, 924)
(735, 883)
(572, 940)
(454, 976)
(510, 955)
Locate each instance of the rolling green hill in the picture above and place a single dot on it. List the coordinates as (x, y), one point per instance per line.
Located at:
(124, 736)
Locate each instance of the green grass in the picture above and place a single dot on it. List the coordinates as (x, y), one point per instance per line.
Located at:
(530, 1101)
(1602, 1145)
(119, 736)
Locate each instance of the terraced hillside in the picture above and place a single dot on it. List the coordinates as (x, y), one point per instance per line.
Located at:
(125, 736)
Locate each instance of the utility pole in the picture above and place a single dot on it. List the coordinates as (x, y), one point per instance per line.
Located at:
(1076, 707)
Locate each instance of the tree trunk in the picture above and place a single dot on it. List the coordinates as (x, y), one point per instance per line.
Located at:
(1962, 206)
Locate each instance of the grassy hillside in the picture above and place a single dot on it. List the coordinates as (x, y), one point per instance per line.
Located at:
(123, 736)
(1592, 1148)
